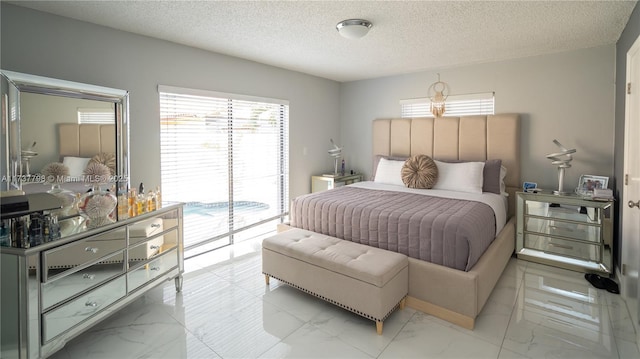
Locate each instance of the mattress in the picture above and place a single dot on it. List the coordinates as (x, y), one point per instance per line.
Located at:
(448, 228)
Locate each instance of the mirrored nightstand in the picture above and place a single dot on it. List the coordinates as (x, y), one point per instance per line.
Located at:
(566, 231)
(323, 183)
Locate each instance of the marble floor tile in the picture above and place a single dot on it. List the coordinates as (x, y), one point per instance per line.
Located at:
(515, 268)
(508, 354)
(245, 332)
(541, 336)
(491, 325)
(141, 330)
(621, 322)
(298, 303)
(627, 349)
(311, 342)
(226, 310)
(423, 337)
(359, 331)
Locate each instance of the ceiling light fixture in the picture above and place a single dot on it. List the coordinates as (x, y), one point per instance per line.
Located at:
(353, 28)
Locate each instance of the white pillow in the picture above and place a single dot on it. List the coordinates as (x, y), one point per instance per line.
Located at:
(461, 177)
(76, 165)
(389, 172)
(503, 187)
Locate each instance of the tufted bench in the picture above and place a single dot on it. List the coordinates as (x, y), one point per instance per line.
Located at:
(368, 281)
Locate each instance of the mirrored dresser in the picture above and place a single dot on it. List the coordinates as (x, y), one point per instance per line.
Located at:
(66, 266)
(567, 231)
(56, 290)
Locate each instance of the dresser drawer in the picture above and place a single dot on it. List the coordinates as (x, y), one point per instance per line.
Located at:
(142, 230)
(571, 213)
(59, 320)
(146, 250)
(82, 252)
(72, 283)
(582, 250)
(157, 267)
(582, 231)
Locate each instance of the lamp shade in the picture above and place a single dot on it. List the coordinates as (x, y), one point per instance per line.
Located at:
(353, 28)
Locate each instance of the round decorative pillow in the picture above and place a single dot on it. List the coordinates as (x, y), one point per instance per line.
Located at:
(419, 172)
(107, 159)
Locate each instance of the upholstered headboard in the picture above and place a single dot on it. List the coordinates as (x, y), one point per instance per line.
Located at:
(469, 138)
(86, 140)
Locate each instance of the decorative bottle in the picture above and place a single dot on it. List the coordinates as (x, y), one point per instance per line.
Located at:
(151, 201)
(158, 198)
(133, 208)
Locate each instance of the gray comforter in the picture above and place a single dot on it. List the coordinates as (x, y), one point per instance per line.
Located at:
(449, 232)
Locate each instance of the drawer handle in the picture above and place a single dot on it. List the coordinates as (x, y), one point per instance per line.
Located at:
(154, 247)
(91, 249)
(155, 268)
(88, 276)
(155, 225)
(91, 304)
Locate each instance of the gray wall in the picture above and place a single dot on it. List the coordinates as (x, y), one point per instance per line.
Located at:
(47, 45)
(567, 96)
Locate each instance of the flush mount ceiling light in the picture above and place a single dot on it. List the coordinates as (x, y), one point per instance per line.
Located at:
(353, 28)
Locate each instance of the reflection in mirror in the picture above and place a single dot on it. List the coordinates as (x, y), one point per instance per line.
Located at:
(39, 119)
(53, 131)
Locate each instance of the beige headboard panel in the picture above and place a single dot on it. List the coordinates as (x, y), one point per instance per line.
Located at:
(470, 138)
(86, 140)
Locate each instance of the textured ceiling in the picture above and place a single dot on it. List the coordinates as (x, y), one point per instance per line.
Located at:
(407, 36)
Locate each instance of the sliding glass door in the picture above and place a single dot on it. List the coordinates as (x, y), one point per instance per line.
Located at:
(226, 157)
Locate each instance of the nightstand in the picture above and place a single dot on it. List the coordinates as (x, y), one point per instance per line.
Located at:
(323, 183)
(567, 231)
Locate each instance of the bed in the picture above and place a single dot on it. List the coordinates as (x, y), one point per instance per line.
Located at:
(455, 291)
(77, 144)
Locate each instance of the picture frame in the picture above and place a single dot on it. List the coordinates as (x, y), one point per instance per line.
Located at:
(588, 183)
(526, 186)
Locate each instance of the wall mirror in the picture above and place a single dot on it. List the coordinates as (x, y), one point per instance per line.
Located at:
(46, 120)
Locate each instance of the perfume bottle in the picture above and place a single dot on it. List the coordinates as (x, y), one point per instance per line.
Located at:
(20, 232)
(133, 207)
(158, 198)
(123, 205)
(151, 201)
(4, 233)
(54, 227)
(35, 230)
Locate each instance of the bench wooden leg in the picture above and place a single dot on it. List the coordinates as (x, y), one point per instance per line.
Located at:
(379, 327)
(266, 279)
(403, 302)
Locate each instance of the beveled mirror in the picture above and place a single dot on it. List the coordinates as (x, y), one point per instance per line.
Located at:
(46, 120)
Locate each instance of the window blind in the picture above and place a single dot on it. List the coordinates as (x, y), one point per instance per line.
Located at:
(226, 156)
(97, 115)
(456, 105)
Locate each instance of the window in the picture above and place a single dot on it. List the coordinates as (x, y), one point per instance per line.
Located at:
(457, 105)
(226, 156)
(97, 115)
